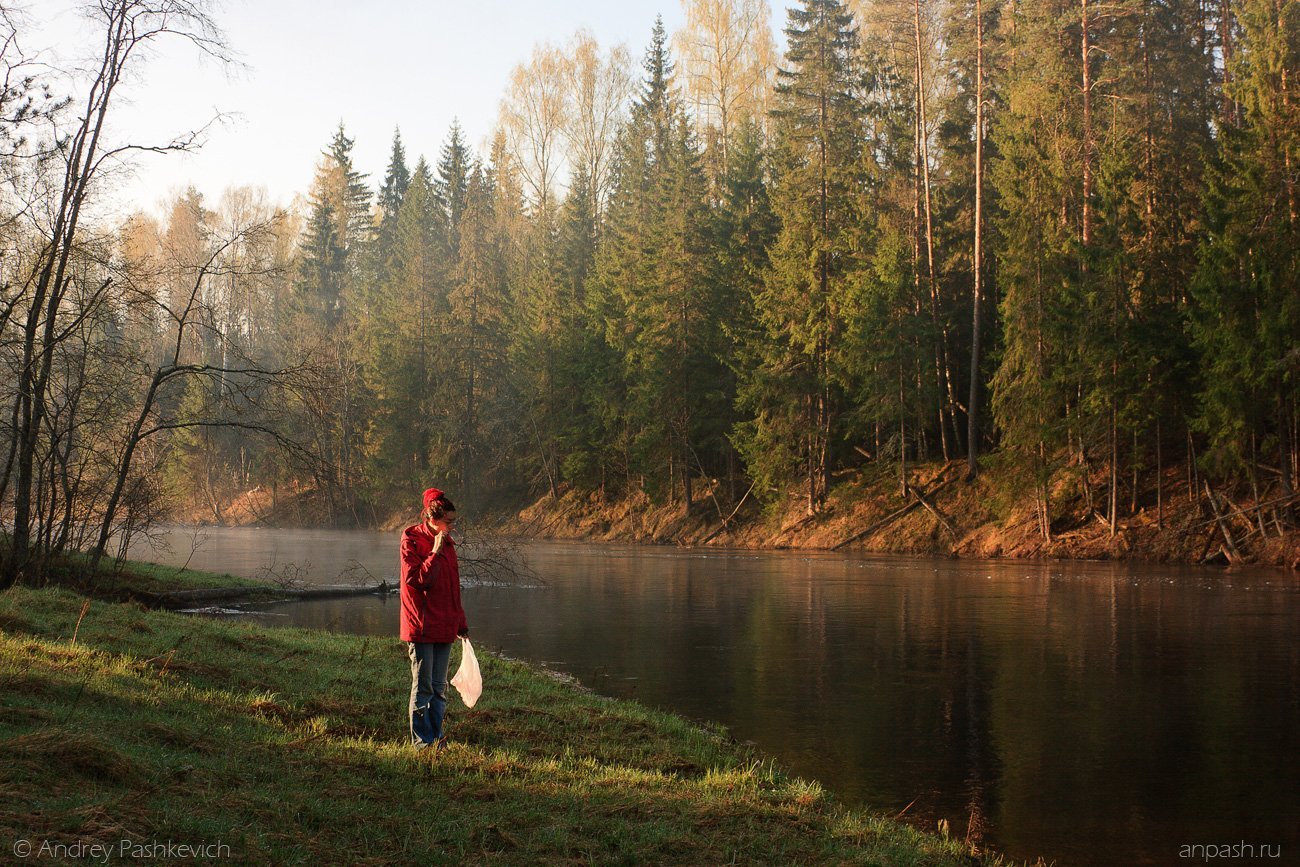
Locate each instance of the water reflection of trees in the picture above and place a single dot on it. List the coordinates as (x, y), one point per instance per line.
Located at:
(1025, 699)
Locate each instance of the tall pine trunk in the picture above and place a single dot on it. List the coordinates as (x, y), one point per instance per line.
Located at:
(942, 383)
(972, 409)
(1087, 127)
(687, 490)
(1284, 456)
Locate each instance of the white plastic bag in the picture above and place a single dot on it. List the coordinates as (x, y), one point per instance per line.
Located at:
(468, 680)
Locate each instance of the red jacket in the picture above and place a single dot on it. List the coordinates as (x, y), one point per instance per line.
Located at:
(431, 609)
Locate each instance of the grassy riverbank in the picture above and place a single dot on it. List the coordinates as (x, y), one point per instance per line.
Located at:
(287, 745)
(140, 579)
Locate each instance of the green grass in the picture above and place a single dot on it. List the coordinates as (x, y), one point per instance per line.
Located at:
(139, 578)
(288, 745)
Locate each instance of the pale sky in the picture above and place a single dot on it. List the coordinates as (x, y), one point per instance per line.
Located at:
(311, 63)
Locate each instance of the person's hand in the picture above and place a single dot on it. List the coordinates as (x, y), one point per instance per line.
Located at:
(438, 540)
(463, 632)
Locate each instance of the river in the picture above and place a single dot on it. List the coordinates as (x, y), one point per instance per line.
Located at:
(1091, 713)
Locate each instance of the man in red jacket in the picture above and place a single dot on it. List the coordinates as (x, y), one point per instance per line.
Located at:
(432, 616)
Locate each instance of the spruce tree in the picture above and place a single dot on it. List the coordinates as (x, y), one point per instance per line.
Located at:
(410, 430)
(1036, 173)
(1247, 290)
(584, 358)
(346, 189)
(452, 185)
(338, 230)
(795, 396)
(475, 339)
(653, 267)
(744, 228)
(895, 358)
(396, 181)
(322, 266)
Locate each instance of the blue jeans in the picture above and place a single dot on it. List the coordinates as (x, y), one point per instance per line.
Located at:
(428, 690)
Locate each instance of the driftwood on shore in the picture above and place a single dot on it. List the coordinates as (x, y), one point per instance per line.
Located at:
(919, 499)
(186, 598)
(1230, 550)
(1282, 502)
(727, 520)
(934, 510)
(878, 525)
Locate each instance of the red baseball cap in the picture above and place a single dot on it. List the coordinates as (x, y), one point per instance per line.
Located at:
(431, 496)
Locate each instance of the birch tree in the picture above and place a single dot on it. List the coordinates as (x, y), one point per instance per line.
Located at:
(63, 165)
(533, 116)
(727, 59)
(598, 86)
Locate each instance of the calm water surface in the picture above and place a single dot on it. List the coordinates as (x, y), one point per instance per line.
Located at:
(1092, 713)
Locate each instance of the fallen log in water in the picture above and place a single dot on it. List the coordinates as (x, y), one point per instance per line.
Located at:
(187, 598)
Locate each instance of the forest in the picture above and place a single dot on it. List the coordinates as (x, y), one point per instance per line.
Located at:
(1057, 237)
